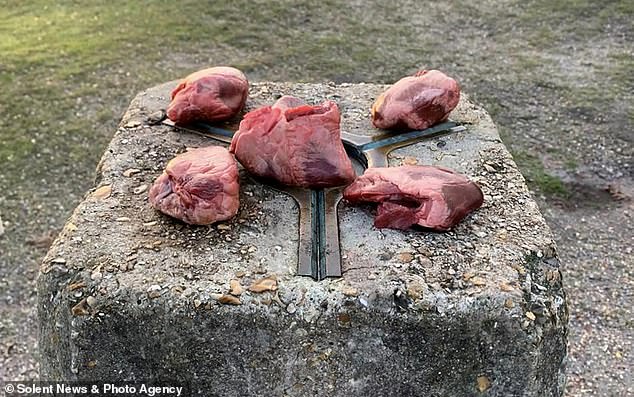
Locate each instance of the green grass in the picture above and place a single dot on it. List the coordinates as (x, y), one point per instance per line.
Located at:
(539, 178)
(69, 68)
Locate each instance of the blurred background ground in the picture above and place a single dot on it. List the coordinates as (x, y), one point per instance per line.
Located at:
(557, 77)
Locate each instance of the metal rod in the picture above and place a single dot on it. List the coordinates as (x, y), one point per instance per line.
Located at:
(318, 257)
(203, 129)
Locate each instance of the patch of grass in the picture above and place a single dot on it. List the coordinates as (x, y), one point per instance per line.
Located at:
(620, 71)
(69, 68)
(571, 164)
(537, 177)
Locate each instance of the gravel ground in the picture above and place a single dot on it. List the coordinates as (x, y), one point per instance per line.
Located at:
(556, 76)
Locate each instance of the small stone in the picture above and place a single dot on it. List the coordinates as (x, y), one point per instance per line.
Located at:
(197, 303)
(530, 315)
(69, 226)
(405, 257)
(150, 224)
(424, 250)
(350, 291)
(509, 304)
(131, 171)
(263, 285)
(489, 168)
(123, 219)
(132, 124)
(59, 261)
(96, 276)
(1, 228)
(371, 276)
(479, 281)
(409, 160)
(483, 383)
(240, 274)
(102, 192)
(80, 309)
(291, 308)
(235, 288)
(228, 300)
(423, 260)
(415, 290)
(154, 291)
(156, 117)
(91, 301)
(506, 287)
(140, 189)
(223, 226)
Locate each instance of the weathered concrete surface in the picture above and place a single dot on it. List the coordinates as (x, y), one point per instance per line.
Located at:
(126, 293)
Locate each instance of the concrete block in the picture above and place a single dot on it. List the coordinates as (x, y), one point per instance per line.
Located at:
(126, 293)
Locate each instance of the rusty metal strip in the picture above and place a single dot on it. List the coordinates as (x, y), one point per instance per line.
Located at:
(373, 151)
(203, 129)
(319, 251)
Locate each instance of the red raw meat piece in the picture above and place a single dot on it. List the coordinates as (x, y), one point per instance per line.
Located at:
(213, 94)
(295, 144)
(199, 187)
(433, 197)
(416, 102)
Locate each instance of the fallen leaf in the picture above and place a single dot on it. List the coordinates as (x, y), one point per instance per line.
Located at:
(74, 286)
(235, 288)
(264, 284)
(103, 192)
(229, 300)
(80, 309)
(483, 383)
(344, 318)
